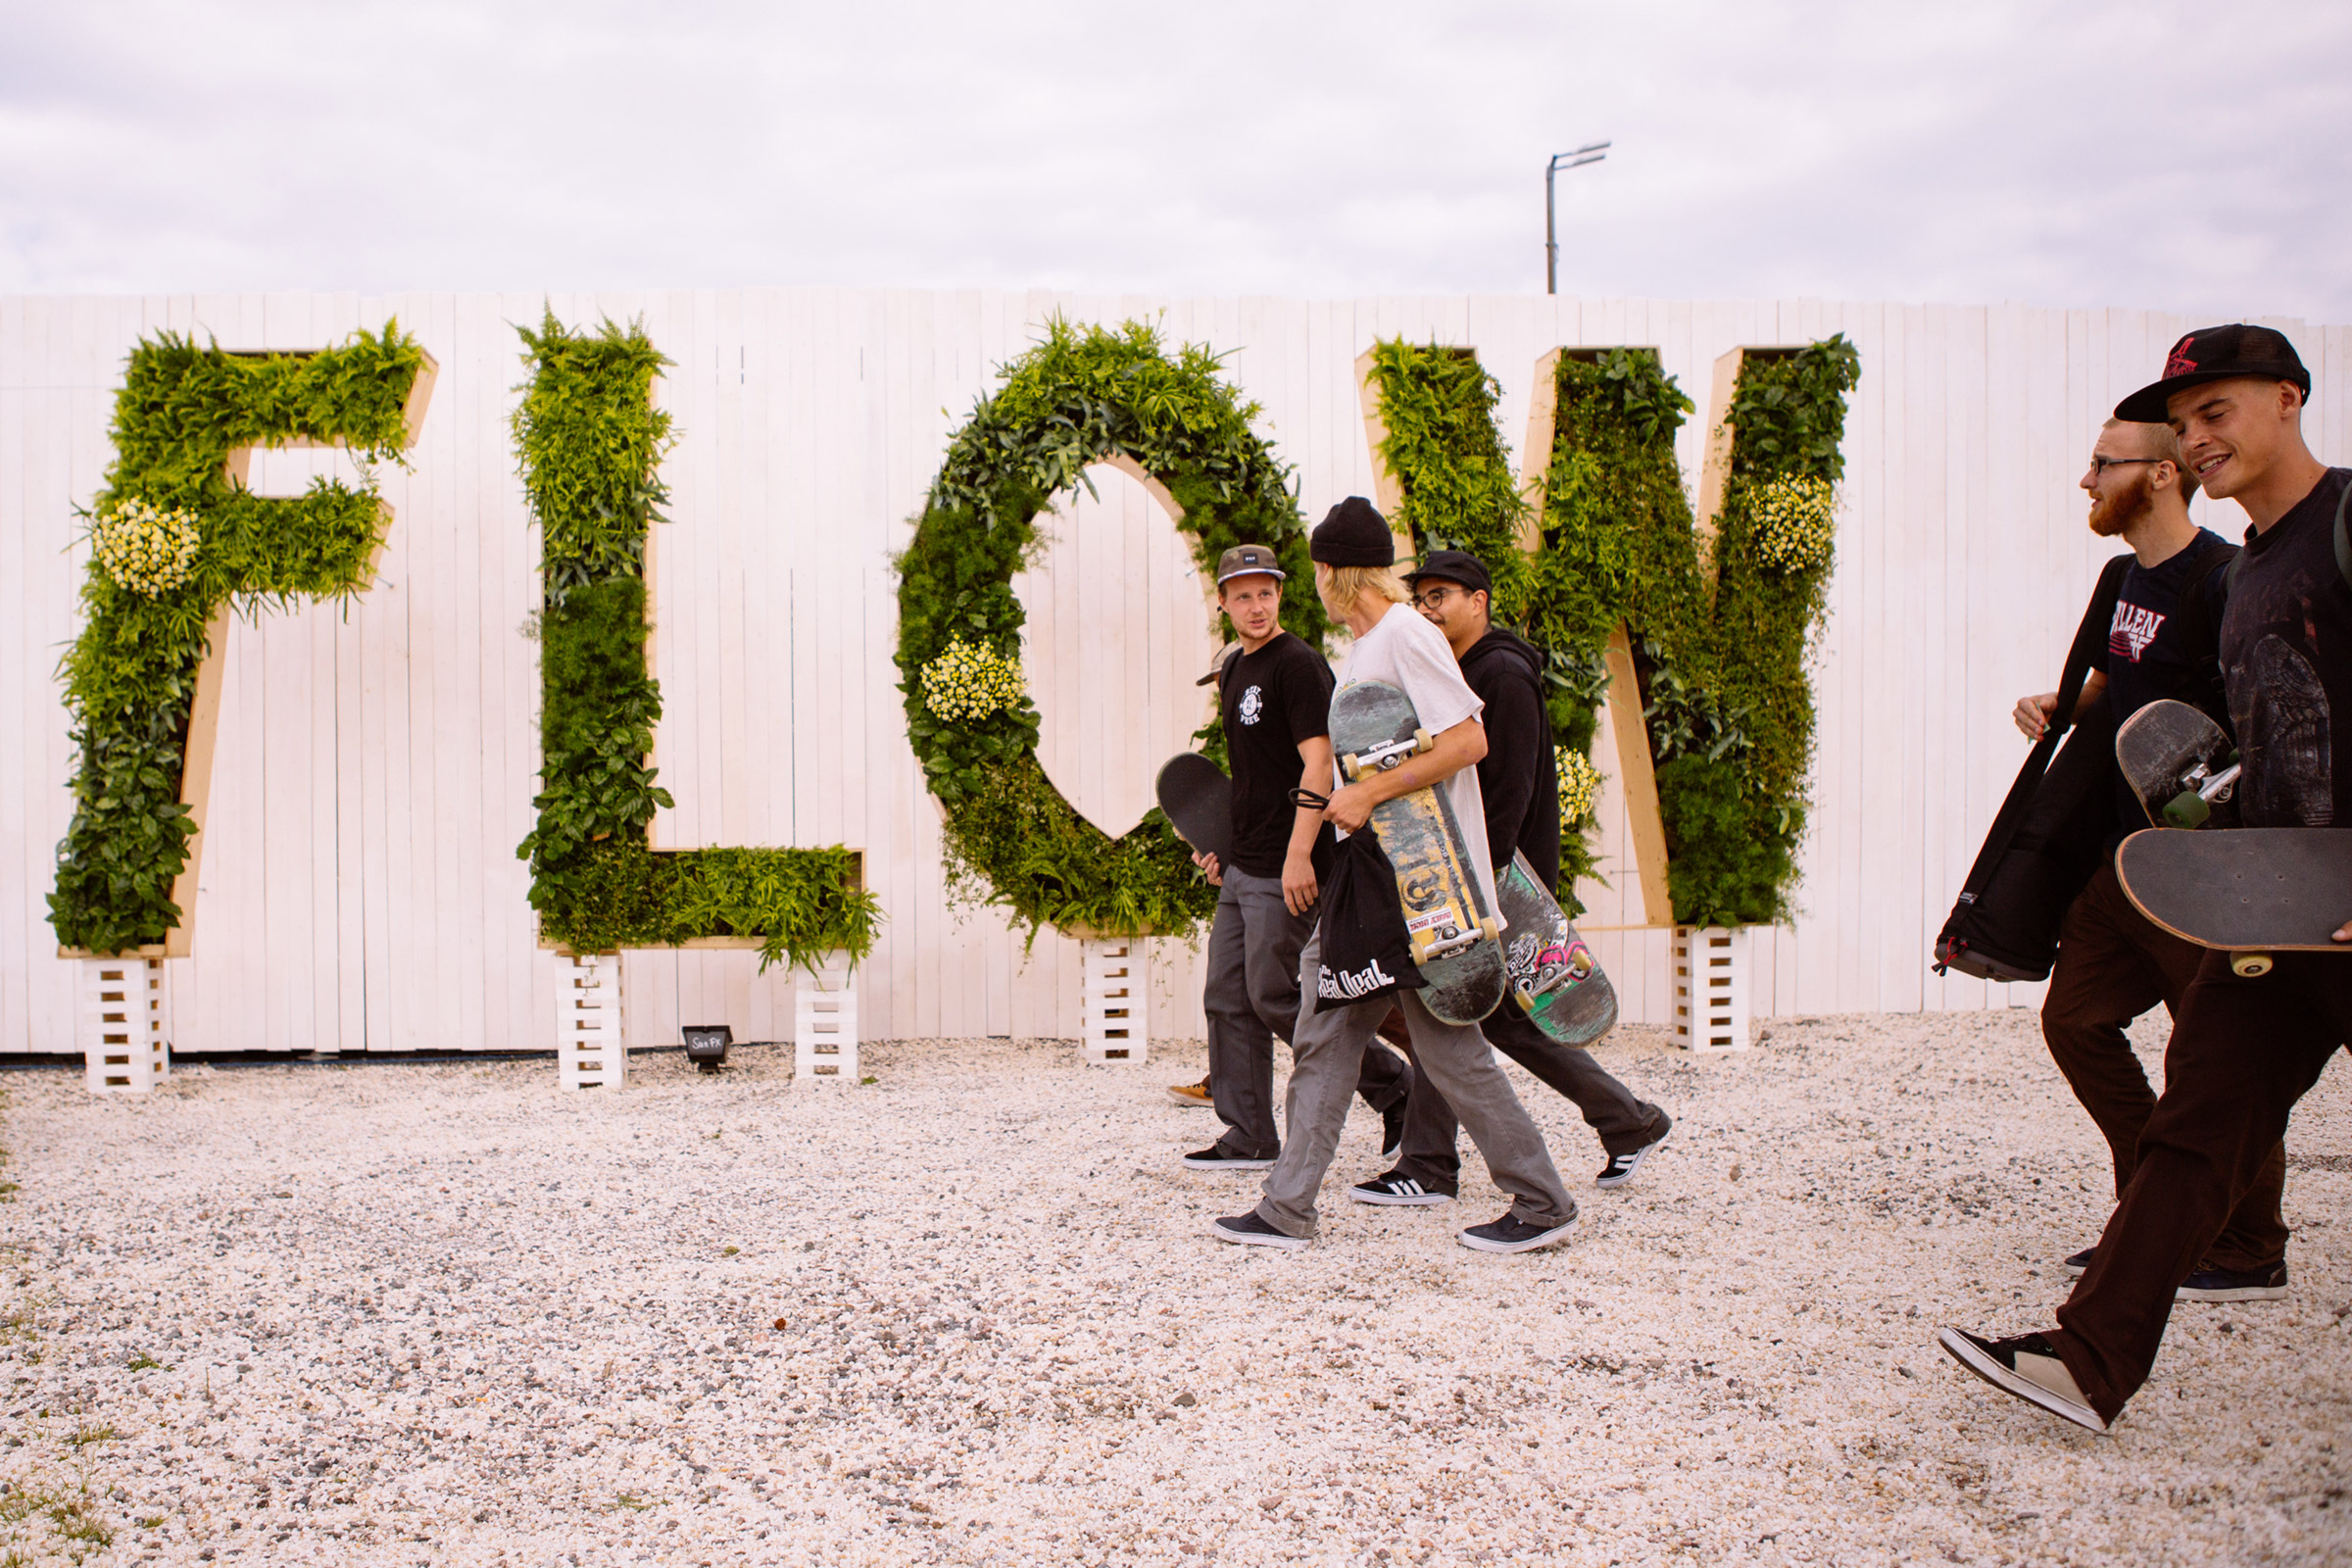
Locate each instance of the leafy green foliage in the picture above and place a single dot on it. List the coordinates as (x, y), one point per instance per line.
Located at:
(1437, 408)
(130, 675)
(1727, 704)
(1082, 395)
(589, 443)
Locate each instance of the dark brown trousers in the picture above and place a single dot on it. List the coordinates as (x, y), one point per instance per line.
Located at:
(2243, 1052)
(2113, 965)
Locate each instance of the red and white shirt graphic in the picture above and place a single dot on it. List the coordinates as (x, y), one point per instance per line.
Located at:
(2134, 628)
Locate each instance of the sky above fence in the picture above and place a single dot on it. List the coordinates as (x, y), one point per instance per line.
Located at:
(2168, 156)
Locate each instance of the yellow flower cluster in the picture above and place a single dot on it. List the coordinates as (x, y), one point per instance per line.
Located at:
(1579, 787)
(970, 681)
(1796, 523)
(144, 548)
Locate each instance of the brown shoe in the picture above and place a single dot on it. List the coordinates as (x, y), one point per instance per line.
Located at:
(1191, 1094)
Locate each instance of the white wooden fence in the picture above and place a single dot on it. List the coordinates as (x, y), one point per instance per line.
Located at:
(359, 885)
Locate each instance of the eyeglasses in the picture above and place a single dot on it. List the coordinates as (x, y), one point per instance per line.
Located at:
(1435, 598)
(2100, 466)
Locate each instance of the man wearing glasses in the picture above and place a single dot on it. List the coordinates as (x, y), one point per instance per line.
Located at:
(1518, 782)
(2114, 964)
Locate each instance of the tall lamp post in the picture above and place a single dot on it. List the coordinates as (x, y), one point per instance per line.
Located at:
(1590, 153)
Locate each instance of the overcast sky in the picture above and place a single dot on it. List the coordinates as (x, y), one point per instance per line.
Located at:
(2196, 158)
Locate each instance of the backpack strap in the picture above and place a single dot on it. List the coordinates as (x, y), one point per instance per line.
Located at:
(2090, 637)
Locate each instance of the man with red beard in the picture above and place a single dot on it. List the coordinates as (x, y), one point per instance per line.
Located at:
(2114, 964)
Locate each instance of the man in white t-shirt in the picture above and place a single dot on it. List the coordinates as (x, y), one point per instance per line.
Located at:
(1355, 574)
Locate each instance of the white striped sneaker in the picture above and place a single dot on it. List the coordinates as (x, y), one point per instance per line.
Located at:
(1394, 1187)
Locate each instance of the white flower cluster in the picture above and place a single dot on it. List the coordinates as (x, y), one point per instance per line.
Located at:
(1796, 523)
(1579, 787)
(144, 548)
(970, 681)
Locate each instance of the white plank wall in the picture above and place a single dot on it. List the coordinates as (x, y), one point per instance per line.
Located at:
(360, 887)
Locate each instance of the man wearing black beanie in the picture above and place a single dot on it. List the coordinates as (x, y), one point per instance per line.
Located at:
(1357, 579)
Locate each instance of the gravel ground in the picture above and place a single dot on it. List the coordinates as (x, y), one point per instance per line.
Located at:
(966, 1313)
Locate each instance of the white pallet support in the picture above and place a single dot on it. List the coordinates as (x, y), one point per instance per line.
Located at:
(1710, 988)
(126, 1025)
(825, 1022)
(589, 1054)
(1113, 996)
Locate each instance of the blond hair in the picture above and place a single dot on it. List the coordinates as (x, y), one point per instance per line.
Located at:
(2163, 443)
(1349, 584)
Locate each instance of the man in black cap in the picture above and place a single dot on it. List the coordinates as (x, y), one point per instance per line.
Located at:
(1519, 781)
(2244, 1050)
(1274, 695)
(1355, 577)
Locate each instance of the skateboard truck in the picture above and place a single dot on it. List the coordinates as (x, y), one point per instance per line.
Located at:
(2202, 787)
(1380, 759)
(1574, 971)
(1484, 931)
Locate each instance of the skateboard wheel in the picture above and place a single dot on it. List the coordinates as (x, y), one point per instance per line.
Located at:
(1421, 742)
(1489, 929)
(2249, 966)
(1526, 1000)
(2187, 809)
(1349, 769)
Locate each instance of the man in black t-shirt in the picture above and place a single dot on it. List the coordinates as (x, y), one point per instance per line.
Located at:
(1518, 780)
(2114, 964)
(2244, 1050)
(1274, 694)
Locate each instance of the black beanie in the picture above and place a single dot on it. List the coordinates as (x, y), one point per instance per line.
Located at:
(1353, 533)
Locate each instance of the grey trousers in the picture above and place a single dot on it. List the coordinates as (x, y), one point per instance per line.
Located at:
(1251, 994)
(1325, 1050)
(1623, 1119)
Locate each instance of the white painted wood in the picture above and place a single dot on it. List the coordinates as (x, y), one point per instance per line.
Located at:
(1711, 987)
(378, 761)
(589, 1049)
(824, 1023)
(126, 1025)
(1112, 994)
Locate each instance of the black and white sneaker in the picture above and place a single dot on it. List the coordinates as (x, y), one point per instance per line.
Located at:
(2080, 1264)
(1391, 1132)
(1621, 1167)
(1511, 1234)
(2026, 1366)
(1217, 1158)
(2235, 1285)
(1396, 1188)
(1250, 1231)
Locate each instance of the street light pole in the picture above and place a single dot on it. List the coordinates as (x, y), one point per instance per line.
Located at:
(1590, 153)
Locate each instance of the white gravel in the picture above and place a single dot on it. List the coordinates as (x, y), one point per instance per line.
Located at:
(438, 1314)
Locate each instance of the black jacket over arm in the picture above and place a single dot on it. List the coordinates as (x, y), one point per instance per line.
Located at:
(1517, 778)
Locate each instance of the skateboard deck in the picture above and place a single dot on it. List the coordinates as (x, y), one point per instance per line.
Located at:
(1198, 798)
(2180, 763)
(1374, 729)
(2251, 892)
(1554, 976)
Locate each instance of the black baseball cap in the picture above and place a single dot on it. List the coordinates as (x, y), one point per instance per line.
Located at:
(2217, 354)
(1453, 566)
(1243, 560)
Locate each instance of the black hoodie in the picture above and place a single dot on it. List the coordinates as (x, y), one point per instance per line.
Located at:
(1518, 778)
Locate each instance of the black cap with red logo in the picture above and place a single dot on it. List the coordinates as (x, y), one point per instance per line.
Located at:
(2217, 354)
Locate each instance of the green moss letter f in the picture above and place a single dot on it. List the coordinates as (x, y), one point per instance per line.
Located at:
(178, 540)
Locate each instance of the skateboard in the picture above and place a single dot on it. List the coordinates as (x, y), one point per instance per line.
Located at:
(1374, 729)
(2180, 763)
(1198, 798)
(1554, 976)
(2251, 892)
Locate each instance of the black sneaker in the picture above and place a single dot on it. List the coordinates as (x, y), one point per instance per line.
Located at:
(1391, 1132)
(1217, 1158)
(2080, 1264)
(1621, 1167)
(2025, 1366)
(1251, 1230)
(1397, 1188)
(2235, 1285)
(1511, 1234)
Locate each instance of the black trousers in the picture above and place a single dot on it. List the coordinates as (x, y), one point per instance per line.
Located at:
(1623, 1119)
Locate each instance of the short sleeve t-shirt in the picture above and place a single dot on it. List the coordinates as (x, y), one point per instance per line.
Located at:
(2287, 654)
(2148, 657)
(1409, 653)
(1272, 700)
